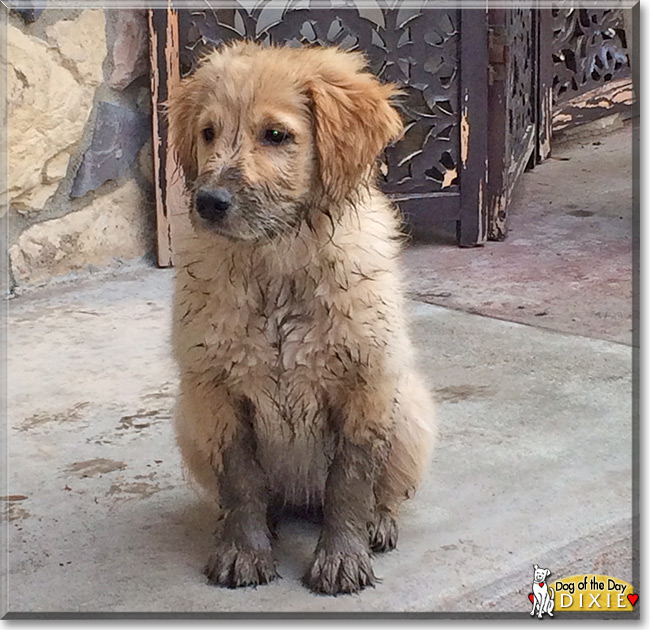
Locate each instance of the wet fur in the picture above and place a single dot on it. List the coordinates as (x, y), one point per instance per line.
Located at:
(297, 378)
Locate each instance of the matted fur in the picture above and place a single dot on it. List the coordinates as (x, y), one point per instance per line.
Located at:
(294, 302)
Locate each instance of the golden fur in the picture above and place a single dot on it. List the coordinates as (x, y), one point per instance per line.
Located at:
(295, 301)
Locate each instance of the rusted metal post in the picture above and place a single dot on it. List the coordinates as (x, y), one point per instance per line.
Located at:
(473, 224)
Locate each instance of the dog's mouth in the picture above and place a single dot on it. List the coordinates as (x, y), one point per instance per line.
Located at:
(218, 228)
(236, 229)
(247, 222)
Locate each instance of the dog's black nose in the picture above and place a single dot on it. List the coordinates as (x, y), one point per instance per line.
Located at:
(213, 203)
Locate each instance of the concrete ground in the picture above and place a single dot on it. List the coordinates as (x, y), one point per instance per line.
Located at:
(533, 463)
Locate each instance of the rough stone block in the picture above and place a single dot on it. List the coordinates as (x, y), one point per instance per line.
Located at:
(130, 51)
(27, 10)
(119, 134)
(82, 43)
(47, 110)
(114, 226)
(145, 161)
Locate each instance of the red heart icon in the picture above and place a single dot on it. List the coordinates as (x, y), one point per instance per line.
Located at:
(531, 597)
(632, 598)
(541, 583)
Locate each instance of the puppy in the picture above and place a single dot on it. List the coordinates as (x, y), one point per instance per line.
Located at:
(296, 374)
(542, 594)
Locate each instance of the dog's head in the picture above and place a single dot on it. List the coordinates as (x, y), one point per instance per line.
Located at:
(263, 134)
(540, 574)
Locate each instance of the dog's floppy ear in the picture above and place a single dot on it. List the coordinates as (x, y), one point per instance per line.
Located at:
(548, 572)
(183, 106)
(354, 120)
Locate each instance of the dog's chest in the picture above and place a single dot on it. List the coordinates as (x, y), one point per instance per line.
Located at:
(285, 336)
(290, 388)
(276, 342)
(288, 383)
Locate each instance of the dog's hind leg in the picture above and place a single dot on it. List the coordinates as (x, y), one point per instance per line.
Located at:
(411, 444)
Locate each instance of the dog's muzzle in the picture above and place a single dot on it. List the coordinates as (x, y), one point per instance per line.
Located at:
(212, 204)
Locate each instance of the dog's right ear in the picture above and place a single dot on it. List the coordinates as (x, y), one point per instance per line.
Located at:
(182, 107)
(354, 117)
(535, 566)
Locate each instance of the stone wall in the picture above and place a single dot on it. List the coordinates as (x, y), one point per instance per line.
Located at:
(80, 192)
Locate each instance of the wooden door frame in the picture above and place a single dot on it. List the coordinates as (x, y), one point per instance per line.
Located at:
(168, 180)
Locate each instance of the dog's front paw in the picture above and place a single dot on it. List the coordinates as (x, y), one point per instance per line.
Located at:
(340, 572)
(383, 532)
(232, 567)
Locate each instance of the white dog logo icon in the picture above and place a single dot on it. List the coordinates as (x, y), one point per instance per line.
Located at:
(542, 595)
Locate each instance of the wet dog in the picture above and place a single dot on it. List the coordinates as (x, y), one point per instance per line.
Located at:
(297, 379)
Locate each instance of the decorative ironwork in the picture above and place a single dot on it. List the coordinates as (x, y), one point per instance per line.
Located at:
(521, 78)
(513, 107)
(589, 49)
(416, 48)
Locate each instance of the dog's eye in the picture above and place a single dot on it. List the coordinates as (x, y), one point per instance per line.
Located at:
(208, 134)
(276, 136)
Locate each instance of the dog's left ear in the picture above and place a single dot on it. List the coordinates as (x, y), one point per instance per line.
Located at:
(183, 106)
(354, 118)
(548, 572)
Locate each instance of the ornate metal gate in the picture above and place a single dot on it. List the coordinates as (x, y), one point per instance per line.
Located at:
(484, 91)
(549, 69)
(590, 64)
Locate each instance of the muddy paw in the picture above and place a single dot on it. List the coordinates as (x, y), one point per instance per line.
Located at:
(335, 573)
(383, 532)
(232, 567)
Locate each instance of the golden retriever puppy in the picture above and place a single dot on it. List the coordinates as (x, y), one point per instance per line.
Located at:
(297, 380)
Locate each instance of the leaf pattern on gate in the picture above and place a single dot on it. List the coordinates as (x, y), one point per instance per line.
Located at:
(589, 49)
